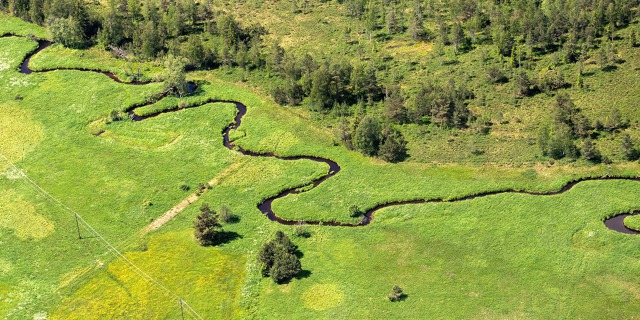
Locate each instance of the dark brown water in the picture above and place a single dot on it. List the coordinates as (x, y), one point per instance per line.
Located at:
(614, 223)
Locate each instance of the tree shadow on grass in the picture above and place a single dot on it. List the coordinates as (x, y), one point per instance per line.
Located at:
(233, 219)
(304, 274)
(402, 297)
(226, 236)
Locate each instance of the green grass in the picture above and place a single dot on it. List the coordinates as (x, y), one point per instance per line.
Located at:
(13, 25)
(632, 222)
(504, 256)
(95, 58)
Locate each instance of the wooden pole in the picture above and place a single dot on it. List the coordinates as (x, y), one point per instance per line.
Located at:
(78, 226)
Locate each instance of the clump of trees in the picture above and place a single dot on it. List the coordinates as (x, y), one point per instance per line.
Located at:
(278, 259)
(571, 134)
(175, 78)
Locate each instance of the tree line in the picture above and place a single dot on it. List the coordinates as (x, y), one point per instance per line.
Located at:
(195, 35)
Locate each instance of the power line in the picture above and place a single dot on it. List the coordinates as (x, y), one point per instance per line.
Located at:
(109, 246)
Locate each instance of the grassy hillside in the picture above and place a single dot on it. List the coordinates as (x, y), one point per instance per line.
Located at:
(325, 30)
(509, 255)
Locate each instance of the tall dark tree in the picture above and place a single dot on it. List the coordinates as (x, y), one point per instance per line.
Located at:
(628, 147)
(394, 147)
(208, 230)
(367, 136)
(416, 22)
(394, 108)
(321, 88)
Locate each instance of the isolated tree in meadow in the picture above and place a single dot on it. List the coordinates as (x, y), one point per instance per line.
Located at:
(278, 259)
(614, 120)
(208, 231)
(525, 86)
(225, 214)
(285, 267)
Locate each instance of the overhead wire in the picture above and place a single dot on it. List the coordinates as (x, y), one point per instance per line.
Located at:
(105, 242)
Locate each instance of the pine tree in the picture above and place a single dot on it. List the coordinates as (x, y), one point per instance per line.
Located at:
(208, 230)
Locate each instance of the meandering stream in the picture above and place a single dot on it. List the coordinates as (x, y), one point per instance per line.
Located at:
(614, 223)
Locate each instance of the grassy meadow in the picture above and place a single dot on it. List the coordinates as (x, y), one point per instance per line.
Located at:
(503, 256)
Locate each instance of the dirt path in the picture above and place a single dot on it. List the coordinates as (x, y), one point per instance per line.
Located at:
(177, 209)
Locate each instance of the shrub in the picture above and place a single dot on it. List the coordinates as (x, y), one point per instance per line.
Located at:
(302, 231)
(226, 215)
(589, 151)
(114, 115)
(355, 212)
(629, 150)
(550, 80)
(394, 148)
(396, 295)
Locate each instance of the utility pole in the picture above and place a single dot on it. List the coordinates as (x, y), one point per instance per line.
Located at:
(78, 226)
(181, 309)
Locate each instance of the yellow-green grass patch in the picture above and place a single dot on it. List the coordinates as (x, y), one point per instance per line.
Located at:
(21, 217)
(207, 278)
(323, 296)
(5, 267)
(19, 134)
